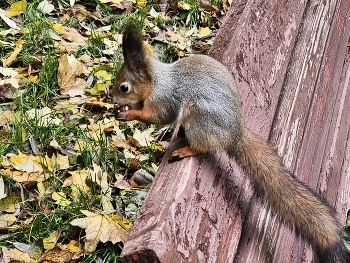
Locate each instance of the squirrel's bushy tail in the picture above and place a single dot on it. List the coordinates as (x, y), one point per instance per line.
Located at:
(292, 200)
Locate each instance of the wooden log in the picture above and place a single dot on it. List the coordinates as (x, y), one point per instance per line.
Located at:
(291, 64)
(184, 217)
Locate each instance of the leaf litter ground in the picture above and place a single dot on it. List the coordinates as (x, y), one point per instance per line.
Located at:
(72, 177)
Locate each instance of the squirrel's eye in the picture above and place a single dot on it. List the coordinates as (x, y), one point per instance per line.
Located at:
(124, 87)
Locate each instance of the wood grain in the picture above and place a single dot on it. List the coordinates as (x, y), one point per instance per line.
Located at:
(291, 63)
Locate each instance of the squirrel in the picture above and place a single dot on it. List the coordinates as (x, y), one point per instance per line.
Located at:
(200, 94)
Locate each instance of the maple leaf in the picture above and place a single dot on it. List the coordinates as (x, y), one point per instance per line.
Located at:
(99, 227)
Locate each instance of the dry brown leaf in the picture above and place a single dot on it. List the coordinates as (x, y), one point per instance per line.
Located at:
(73, 35)
(99, 227)
(68, 71)
(69, 47)
(23, 177)
(121, 183)
(18, 256)
(58, 255)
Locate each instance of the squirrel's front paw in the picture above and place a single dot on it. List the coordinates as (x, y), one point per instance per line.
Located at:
(122, 116)
(123, 113)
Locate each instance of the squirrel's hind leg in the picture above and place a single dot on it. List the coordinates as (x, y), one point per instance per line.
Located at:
(180, 147)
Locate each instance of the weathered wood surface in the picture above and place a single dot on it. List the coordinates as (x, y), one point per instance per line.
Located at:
(292, 67)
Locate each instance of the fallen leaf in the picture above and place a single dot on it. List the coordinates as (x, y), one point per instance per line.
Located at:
(58, 28)
(43, 117)
(8, 72)
(77, 182)
(18, 256)
(2, 189)
(111, 45)
(7, 220)
(68, 71)
(204, 31)
(16, 8)
(103, 82)
(45, 7)
(60, 199)
(121, 183)
(19, 46)
(50, 241)
(184, 6)
(99, 227)
(73, 35)
(8, 21)
(100, 177)
(111, 1)
(62, 162)
(69, 47)
(144, 138)
(27, 163)
(23, 177)
(153, 13)
(9, 204)
(60, 254)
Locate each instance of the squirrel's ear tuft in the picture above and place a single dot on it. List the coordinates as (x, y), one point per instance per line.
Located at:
(133, 50)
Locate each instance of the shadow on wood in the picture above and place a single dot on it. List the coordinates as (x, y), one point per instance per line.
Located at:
(291, 64)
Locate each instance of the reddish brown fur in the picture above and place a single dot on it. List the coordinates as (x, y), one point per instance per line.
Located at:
(293, 201)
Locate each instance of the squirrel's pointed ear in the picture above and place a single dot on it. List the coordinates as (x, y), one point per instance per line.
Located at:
(134, 52)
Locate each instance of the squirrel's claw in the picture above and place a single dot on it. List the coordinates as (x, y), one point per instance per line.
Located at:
(181, 154)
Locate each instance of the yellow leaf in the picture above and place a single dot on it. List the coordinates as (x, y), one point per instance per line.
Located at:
(58, 28)
(182, 5)
(125, 223)
(19, 46)
(50, 241)
(104, 80)
(41, 188)
(60, 198)
(81, 145)
(78, 183)
(32, 78)
(16, 8)
(9, 203)
(62, 162)
(73, 247)
(106, 203)
(141, 3)
(99, 227)
(205, 31)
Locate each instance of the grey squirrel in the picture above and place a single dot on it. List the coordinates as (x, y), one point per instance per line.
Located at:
(200, 94)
